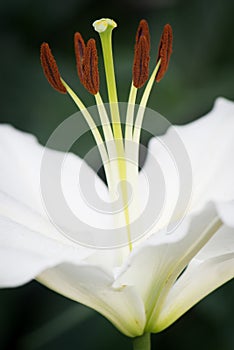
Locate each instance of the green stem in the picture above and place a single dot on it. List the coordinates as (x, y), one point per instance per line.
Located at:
(142, 342)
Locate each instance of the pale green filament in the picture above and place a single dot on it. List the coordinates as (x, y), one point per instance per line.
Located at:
(107, 131)
(141, 112)
(130, 113)
(96, 134)
(144, 100)
(110, 145)
(88, 118)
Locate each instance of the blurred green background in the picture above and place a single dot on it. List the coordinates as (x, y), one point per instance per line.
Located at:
(202, 68)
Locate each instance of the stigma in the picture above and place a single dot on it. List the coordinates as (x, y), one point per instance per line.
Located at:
(101, 25)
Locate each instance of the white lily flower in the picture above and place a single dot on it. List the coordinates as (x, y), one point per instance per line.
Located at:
(148, 283)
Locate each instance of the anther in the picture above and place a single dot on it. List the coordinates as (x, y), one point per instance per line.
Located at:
(141, 55)
(141, 63)
(79, 46)
(87, 63)
(164, 51)
(90, 68)
(143, 30)
(50, 68)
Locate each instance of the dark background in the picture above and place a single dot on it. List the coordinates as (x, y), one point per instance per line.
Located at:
(202, 68)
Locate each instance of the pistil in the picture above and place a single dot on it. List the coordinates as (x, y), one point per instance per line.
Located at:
(104, 27)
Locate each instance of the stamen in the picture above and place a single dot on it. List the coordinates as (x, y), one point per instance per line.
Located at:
(164, 51)
(110, 144)
(141, 55)
(143, 30)
(143, 103)
(141, 63)
(90, 68)
(79, 46)
(93, 127)
(87, 63)
(50, 69)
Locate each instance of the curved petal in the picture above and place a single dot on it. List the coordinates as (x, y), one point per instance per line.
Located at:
(209, 144)
(226, 212)
(93, 287)
(21, 159)
(156, 264)
(25, 253)
(13, 210)
(211, 267)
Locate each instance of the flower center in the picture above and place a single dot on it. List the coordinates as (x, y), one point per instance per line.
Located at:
(114, 146)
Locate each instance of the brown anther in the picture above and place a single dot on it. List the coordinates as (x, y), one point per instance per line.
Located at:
(141, 55)
(141, 63)
(143, 30)
(79, 46)
(50, 68)
(90, 68)
(164, 51)
(87, 63)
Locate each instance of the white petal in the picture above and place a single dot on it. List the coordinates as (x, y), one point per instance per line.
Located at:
(93, 287)
(12, 209)
(25, 253)
(226, 210)
(22, 207)
(20, 157)
(155, 265)
(209, 145)
(211, 267)
(220, 244)
(21, 179)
